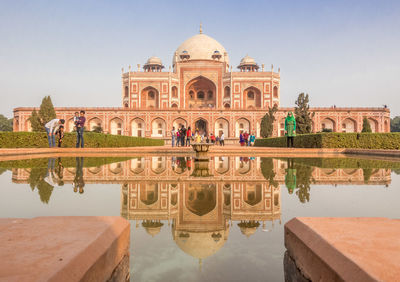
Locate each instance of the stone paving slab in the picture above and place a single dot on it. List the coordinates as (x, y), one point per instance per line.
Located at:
(62, 248)
(345, 249)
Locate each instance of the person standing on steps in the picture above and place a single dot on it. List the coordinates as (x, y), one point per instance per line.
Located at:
(188, 136)
(222, 139)
(290, 129)
(183, 136)
(173, 136)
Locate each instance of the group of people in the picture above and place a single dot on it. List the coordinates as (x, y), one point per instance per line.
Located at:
(184, 136)
(55, 127)
(246, 139)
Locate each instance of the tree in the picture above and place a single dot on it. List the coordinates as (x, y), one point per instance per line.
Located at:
(366, 126)
(36, 123)
(395, 124)
(303, 114)
(267, 122)
(46, 114)
(97, 129)
(6, 124)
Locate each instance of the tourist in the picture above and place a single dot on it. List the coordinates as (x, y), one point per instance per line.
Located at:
(246, 138)
(80, 126)
(183, 135)
(51, 127)
(207, 139)
(252, 139)
(178, 138)
(60, 135)
(173, 136)
(241, 139)
(197, 137)
(212, 137)
(76, 119)
(290, 129)
(222, 139)
(188, 136)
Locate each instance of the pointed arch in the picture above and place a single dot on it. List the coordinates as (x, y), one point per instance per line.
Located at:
(201, 93)
(252, 98)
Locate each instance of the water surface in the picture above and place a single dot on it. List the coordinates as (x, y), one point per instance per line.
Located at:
(220, 220)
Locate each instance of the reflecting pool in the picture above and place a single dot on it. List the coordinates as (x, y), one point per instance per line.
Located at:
(220, 220)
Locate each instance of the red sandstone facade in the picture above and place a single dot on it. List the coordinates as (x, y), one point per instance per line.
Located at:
(203, 92)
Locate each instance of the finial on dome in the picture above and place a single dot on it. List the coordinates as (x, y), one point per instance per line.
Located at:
(201, 28)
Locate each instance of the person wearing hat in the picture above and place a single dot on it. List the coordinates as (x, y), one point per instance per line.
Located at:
(290, 129)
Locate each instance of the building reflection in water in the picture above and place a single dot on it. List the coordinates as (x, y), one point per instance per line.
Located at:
(201, 202)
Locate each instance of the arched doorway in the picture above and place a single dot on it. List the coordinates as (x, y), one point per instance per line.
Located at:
(158, 128)
(349, 125)
(201, 126)
(201, 93)
(374, 124)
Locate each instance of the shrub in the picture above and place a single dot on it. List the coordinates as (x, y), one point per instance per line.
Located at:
(92, 140)
(337, 140)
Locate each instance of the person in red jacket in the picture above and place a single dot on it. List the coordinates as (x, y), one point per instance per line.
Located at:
(188, 136)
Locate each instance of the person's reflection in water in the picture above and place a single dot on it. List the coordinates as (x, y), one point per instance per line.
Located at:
(79, 183)
(50, 177)
(173, 163)
(189, 163)
(290, 176)
(60, 172)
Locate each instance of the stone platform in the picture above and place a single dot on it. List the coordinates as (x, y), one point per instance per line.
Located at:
(64, 249)
(342, 249)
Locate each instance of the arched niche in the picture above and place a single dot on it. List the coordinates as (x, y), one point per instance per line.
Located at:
(242, 126)
(95, 123)
(253, 194)
(328, 123)
(349, 125)
(221, 126)
(158, 128)
(148, 193)
(138, 127)
(201, 93)
(117, 126)
(252, 98)
(201, 199)
(150, 98)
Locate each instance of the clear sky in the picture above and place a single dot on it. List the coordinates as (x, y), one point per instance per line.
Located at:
(343, 53)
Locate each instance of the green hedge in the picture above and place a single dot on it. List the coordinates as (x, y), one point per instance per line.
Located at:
(65, 161)
(337, 140)
(92, 140)
(349, 163)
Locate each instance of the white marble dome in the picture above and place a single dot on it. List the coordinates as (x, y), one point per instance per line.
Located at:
(200, 47)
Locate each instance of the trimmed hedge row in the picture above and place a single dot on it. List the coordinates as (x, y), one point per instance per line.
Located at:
(92, 140)
(65, 161)
(346, 163)
(337, 140)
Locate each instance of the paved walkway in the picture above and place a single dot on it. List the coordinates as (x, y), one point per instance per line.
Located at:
(214, 150)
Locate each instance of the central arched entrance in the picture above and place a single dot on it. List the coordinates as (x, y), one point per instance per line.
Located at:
(201, 93)
(201, 126)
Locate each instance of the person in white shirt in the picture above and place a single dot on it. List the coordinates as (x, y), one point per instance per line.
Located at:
(222, 139)
(51, 128)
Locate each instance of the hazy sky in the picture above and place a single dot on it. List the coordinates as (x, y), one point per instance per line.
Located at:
(345, 53)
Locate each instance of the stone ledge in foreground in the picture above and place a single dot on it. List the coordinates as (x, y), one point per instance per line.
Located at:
(63, 248)
(344, 249)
